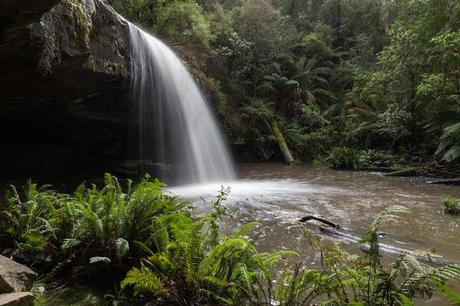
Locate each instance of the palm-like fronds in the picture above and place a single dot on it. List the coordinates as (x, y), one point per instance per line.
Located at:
(449, 144)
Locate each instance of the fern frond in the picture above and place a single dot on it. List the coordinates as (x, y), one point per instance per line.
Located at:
(404, 300)
(245, 229)
(453, 296)
(144, 280)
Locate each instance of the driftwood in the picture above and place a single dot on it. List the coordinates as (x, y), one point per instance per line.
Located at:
(308, 218)
(455, 181)
(337, 232)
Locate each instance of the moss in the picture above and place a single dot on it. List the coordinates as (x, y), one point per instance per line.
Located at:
(122, 70)
(92, 63)
(75, 295)
(107, 66)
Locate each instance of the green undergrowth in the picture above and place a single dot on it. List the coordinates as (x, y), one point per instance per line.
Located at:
(139, 244)
(346, 158)
(450, 205)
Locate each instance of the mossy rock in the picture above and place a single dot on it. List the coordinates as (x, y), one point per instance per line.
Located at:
(82, 28)
(72, 296)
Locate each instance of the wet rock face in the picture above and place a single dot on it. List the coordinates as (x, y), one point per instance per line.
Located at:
(63, 87)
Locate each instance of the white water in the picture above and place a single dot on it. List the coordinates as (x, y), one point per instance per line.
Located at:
(178, 134)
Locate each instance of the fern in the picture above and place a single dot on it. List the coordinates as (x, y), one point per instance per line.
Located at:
(245, 229)
(143, 280)
(404, 300)
(453, 296)
(449, 143)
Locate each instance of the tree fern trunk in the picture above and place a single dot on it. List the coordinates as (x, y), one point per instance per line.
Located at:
(282, 143)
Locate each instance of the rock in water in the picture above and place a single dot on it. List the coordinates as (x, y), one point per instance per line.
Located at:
(16, 299)
(14, 277)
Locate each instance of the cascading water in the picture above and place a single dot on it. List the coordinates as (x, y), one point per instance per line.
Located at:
(178, 134)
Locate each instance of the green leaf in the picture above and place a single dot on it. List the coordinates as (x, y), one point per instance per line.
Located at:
(143, 280)
(405, 301)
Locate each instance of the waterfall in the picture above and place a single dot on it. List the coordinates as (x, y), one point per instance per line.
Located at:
(179, 138)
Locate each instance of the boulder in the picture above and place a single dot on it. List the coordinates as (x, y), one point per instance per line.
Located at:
(16, 299)
(14, 277)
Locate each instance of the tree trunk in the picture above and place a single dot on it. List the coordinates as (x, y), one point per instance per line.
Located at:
(282, 143)
(385, 15)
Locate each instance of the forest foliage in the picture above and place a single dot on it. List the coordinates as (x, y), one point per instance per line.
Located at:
(365, 74)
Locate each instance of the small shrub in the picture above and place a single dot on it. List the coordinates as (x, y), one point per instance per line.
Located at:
(450, 205)
(376, 159)
(343, 158)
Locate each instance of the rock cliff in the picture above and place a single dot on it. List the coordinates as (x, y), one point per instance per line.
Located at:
(63, 87)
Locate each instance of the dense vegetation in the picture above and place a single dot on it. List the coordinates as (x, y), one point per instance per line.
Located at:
(146, 245)
(365, 74)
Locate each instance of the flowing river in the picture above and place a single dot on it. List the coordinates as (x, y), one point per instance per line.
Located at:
(278, 195)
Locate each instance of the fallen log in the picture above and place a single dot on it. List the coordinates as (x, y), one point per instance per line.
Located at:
(340, 233)
(379, 169)
(308, 218)
(454, 181)
(413, 171)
